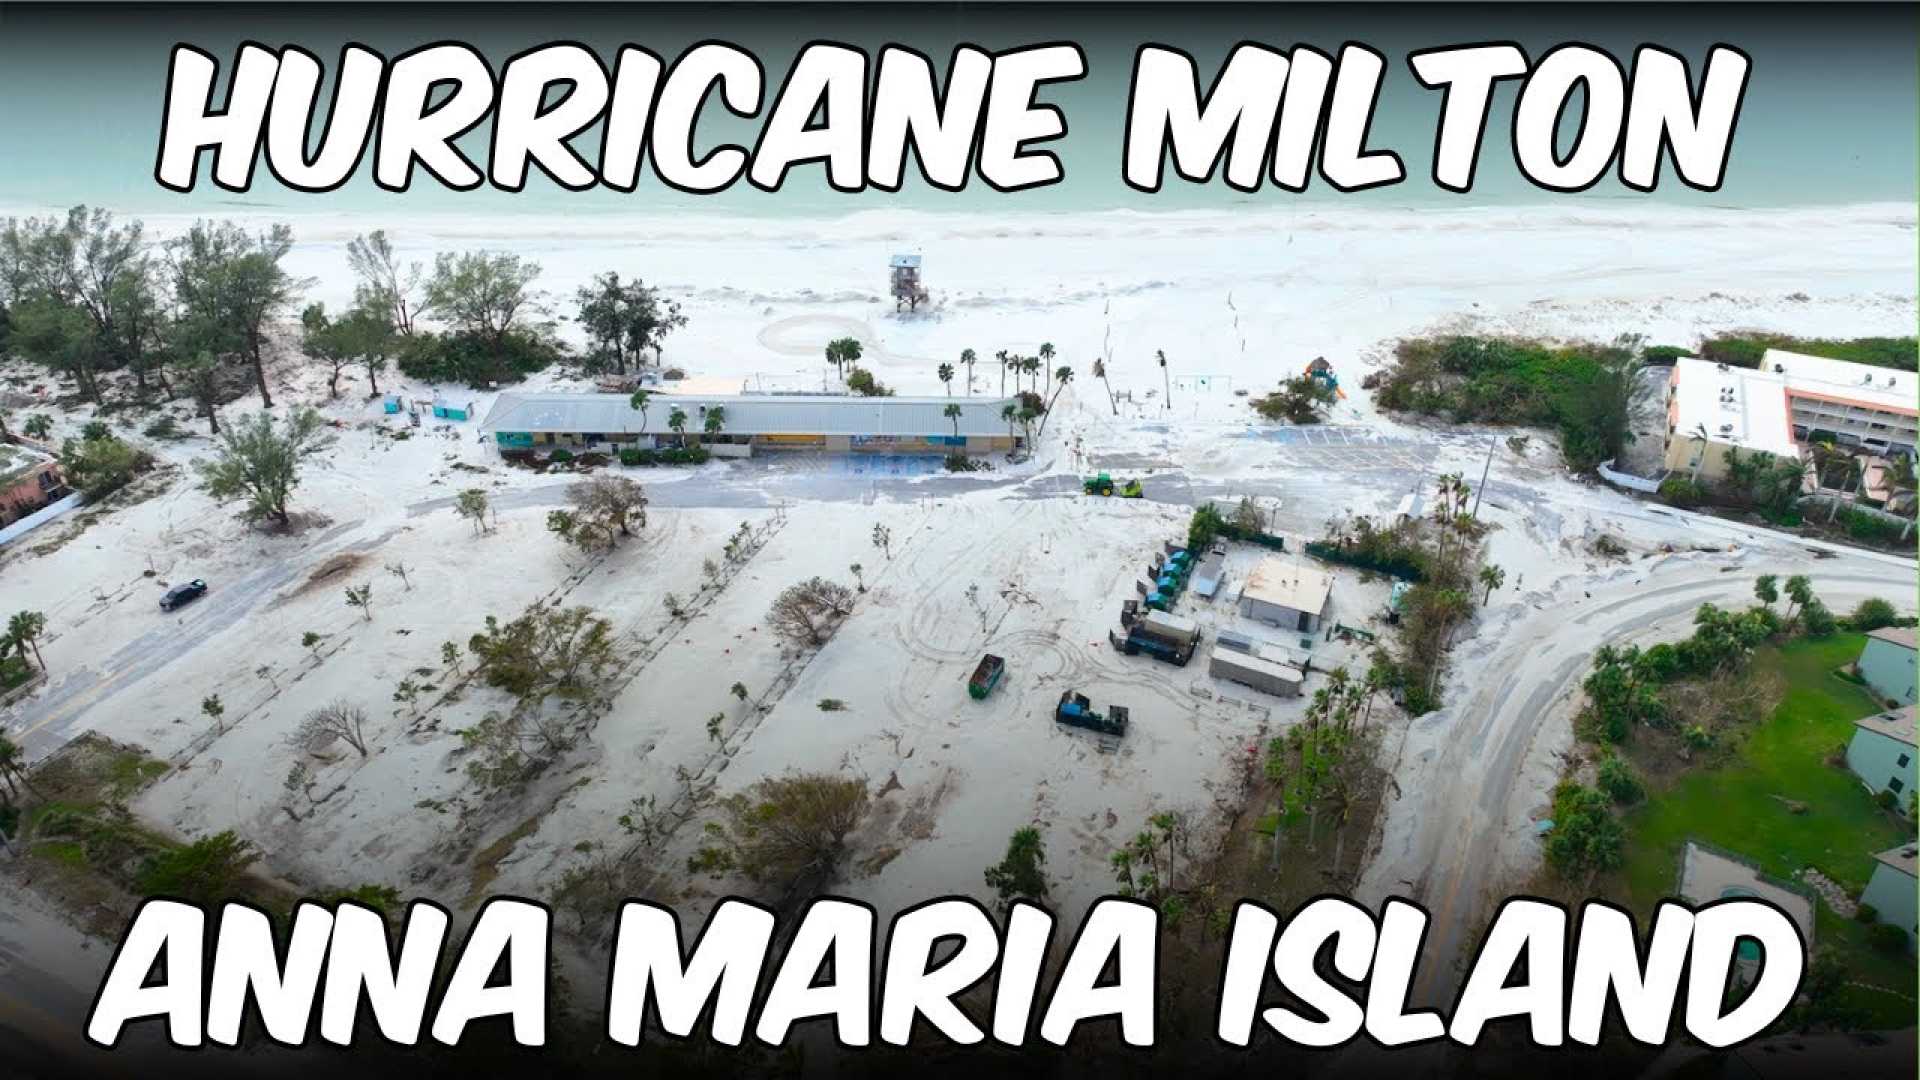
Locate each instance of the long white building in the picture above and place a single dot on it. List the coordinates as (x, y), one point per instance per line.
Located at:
(749, 422)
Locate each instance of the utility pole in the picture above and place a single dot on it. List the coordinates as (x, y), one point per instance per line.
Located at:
(1487, 468)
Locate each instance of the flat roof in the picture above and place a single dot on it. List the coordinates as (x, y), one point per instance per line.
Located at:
(1881, 388)
(1894, 724)
(1288, 584)
(1250, 662)
(17, 461)
(1901, 858)
(1902, 636)
(746, 414)
(1733, 405)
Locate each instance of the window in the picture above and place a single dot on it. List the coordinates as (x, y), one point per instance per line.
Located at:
(1903, 761)
(1894, 785)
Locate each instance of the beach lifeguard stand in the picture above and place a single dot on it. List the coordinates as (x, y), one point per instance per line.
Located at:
(908, 292)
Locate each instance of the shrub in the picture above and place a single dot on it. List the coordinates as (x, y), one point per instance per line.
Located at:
(560, 456)
(1887, 801)
(1887, 938)
(1873, 613)
(862, 382)
(1616, 778)
(1817, 619)
(1682, 492)
(1866, 913)
(163, 428)
(1746, 350)
(102, 466)
(1663, 355)
(676, 455)
(476, 361)
(203, 871)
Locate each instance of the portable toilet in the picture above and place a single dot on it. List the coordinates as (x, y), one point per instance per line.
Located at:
(390, 404)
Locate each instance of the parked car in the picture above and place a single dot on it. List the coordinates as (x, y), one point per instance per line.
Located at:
(181, 595)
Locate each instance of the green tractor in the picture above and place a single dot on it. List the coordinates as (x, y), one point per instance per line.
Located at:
(1104, 485)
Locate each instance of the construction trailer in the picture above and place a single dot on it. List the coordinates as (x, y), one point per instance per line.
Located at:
(1252, 671)
(1074, 710)
(1162, 636)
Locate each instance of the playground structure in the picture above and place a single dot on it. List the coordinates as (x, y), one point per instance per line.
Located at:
(1105, 485)
(1322, 372)
(908, 292)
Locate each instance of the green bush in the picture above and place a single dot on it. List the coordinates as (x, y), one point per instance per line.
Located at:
(1583, 390)
(1866, 913)
(1663, 354)
(1869, 527)
(1617, 780)
(204, 871)
(675, 455)
(1746, 350)
(862, 382)
(1873, 613)
(475, 361)
(163, 428)
(1681, 491)
(561, 455)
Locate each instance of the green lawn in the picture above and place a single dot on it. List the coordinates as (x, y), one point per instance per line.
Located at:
(1733, 805)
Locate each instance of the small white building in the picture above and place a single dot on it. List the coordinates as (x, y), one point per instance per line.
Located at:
(1288, 594)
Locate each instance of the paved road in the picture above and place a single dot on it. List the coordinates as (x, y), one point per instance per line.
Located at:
(1463, 797)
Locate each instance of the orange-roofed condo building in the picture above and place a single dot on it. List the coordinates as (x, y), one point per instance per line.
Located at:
(1788, 401)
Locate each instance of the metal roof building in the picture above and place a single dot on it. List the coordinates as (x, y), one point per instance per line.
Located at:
(757, 414)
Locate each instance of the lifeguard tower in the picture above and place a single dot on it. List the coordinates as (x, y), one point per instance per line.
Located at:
(908, 292)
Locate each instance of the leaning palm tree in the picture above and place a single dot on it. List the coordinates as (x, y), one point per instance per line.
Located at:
(967, 358)
(945, 371)
(1100, 372)
(13, 766)
(1062, 376)
(639, 402)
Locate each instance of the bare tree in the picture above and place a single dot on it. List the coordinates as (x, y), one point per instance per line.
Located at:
(399, 569)
(340, 719)
(808, 612)
(361, 596)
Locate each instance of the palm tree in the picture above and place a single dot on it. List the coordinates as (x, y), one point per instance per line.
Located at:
(1009, 414)
(677, 420)
(24, 630)
(1165, 382)
(1492, 577)
(945, 371)
(1100, 372)
(1005, 360)
(639, 402)
(952, 412)
(13, 766)
(1031, 365)
(1062, 376)
(966, 360)
(1043, 362)
(716, 419)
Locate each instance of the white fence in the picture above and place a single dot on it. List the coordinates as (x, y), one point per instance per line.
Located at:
(1628, 480)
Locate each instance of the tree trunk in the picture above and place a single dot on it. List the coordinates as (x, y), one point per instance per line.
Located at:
(372, 380)
(259, 368)
(1110, 404)
(36, 653)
